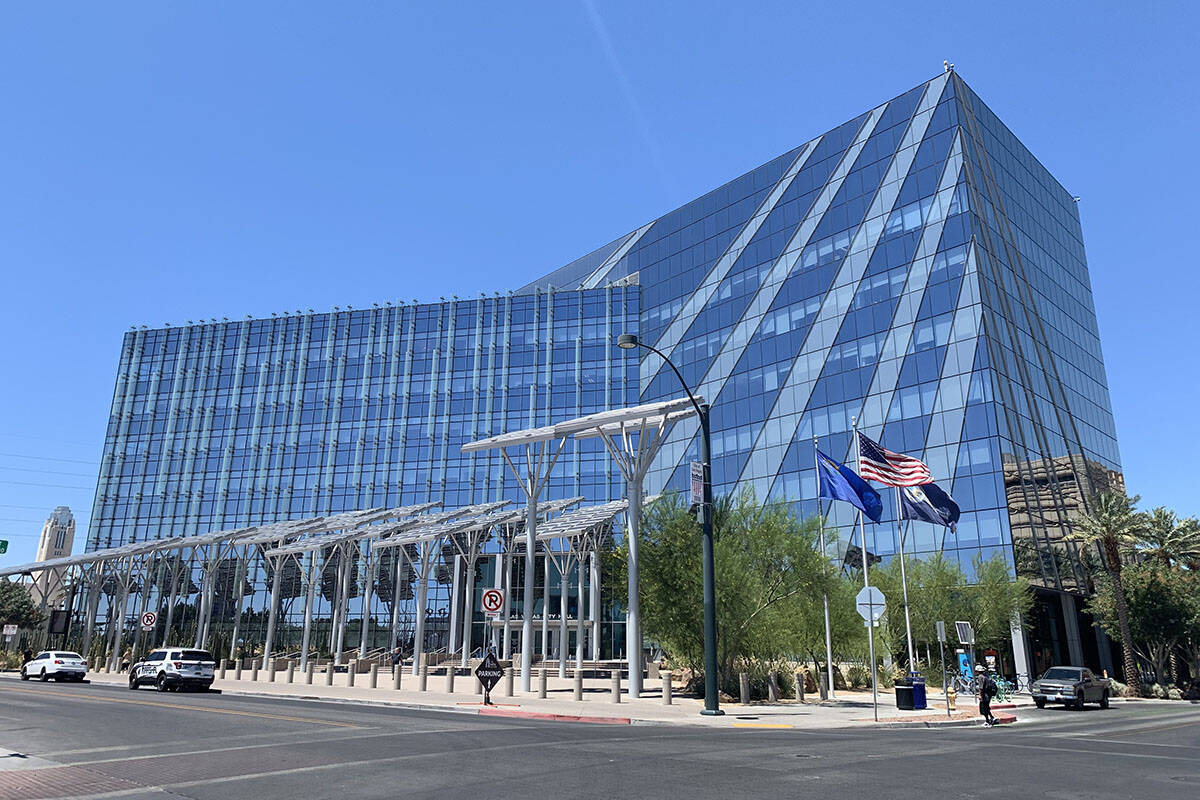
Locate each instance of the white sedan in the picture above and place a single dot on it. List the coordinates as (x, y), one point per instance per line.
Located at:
(57, 664)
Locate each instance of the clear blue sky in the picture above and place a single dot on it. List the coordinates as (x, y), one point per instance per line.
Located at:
(164, 162)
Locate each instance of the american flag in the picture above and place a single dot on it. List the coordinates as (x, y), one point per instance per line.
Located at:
(890, 469)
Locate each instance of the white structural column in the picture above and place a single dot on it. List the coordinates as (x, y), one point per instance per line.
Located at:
(542, 447)
(633, 438)
(273, 610)
(455, 608)
(594, 602)
(371, 563)
(314, 576)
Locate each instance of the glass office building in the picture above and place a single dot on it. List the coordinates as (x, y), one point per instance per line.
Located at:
(915, 269)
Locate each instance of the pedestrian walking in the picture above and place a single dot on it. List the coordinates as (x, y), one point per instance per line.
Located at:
(987, 690)
(396, 656)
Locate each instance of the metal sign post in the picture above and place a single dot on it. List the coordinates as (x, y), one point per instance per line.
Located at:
(489, 673)
(871, 603)
(941, 635)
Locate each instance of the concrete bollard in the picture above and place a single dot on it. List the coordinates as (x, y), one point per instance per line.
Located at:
(351, 668)
(666, 693)
(744, 687)
(291, 670)
(374, 676)
(271, 671)
(221, 672)
(424, 677)
(823, 685)
(772, 687)
(449, 680)
(579, 685)
(329, 674)
(254, 670)
(508, 681)
(799, 687)
(397, 671)
(542, 683)
(237, 670)
(312, 670)
(615, 688)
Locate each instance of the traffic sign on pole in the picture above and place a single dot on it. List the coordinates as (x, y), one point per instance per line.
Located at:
(489, 673)
(3, 546)
(870, 603)
(697, 475)
(10, 630)
(148, 620)
(493, 602)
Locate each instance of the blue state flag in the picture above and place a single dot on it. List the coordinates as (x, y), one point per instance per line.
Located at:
(839, 482)
(930, 503)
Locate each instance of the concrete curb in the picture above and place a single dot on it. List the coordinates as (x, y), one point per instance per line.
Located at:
(500, 712)
(1001, 719)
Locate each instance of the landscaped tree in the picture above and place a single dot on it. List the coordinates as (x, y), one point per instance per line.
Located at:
(1190, 647)
(938, 590)
(1111, 523)
(995, 599)
(1168, 539)
(1159, 603)
(768, 577)
(16, 607)
(848, 637)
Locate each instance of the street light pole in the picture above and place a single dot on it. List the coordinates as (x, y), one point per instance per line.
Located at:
(712, 707)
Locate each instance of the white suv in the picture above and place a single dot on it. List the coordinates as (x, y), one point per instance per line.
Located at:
(60, 665)
(172, 669)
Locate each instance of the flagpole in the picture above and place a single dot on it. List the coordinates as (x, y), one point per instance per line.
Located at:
(862, 538)
(904, 582)
(824, 575)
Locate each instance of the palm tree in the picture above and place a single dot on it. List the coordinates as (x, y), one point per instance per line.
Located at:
(1168, 539)
(1112, 523)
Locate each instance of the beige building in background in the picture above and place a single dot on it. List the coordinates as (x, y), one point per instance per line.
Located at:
(58, 537)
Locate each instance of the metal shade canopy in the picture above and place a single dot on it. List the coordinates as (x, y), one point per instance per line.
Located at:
(633, 437)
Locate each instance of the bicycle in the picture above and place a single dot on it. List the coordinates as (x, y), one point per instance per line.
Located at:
(1004, 689)
(964, 685)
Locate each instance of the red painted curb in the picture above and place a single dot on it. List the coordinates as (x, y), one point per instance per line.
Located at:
(497, 712)
(1005, 719)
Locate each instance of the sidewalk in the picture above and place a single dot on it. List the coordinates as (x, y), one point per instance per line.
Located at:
(850, 709)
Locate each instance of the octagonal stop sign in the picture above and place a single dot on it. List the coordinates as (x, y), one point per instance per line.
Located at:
(870, 603)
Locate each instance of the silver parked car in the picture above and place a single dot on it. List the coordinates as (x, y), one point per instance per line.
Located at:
(58, 664)
(1072, 686)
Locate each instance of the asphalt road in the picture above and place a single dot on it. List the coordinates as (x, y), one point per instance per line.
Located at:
(92, 741)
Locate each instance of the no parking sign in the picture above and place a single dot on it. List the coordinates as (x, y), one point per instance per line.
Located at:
(148, 620)
(493, 602)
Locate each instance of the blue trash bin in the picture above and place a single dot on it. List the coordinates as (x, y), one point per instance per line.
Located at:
(918, 692)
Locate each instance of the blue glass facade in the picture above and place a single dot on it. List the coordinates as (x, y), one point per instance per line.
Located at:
(232, 424)
(915, 269)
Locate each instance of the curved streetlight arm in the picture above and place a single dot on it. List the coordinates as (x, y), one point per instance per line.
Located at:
(678, 374)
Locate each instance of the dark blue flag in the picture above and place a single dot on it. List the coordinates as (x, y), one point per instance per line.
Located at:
(929, 503)
(839, 482)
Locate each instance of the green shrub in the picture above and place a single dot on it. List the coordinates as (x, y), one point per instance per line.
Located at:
(857, 677)
(1156, 691)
